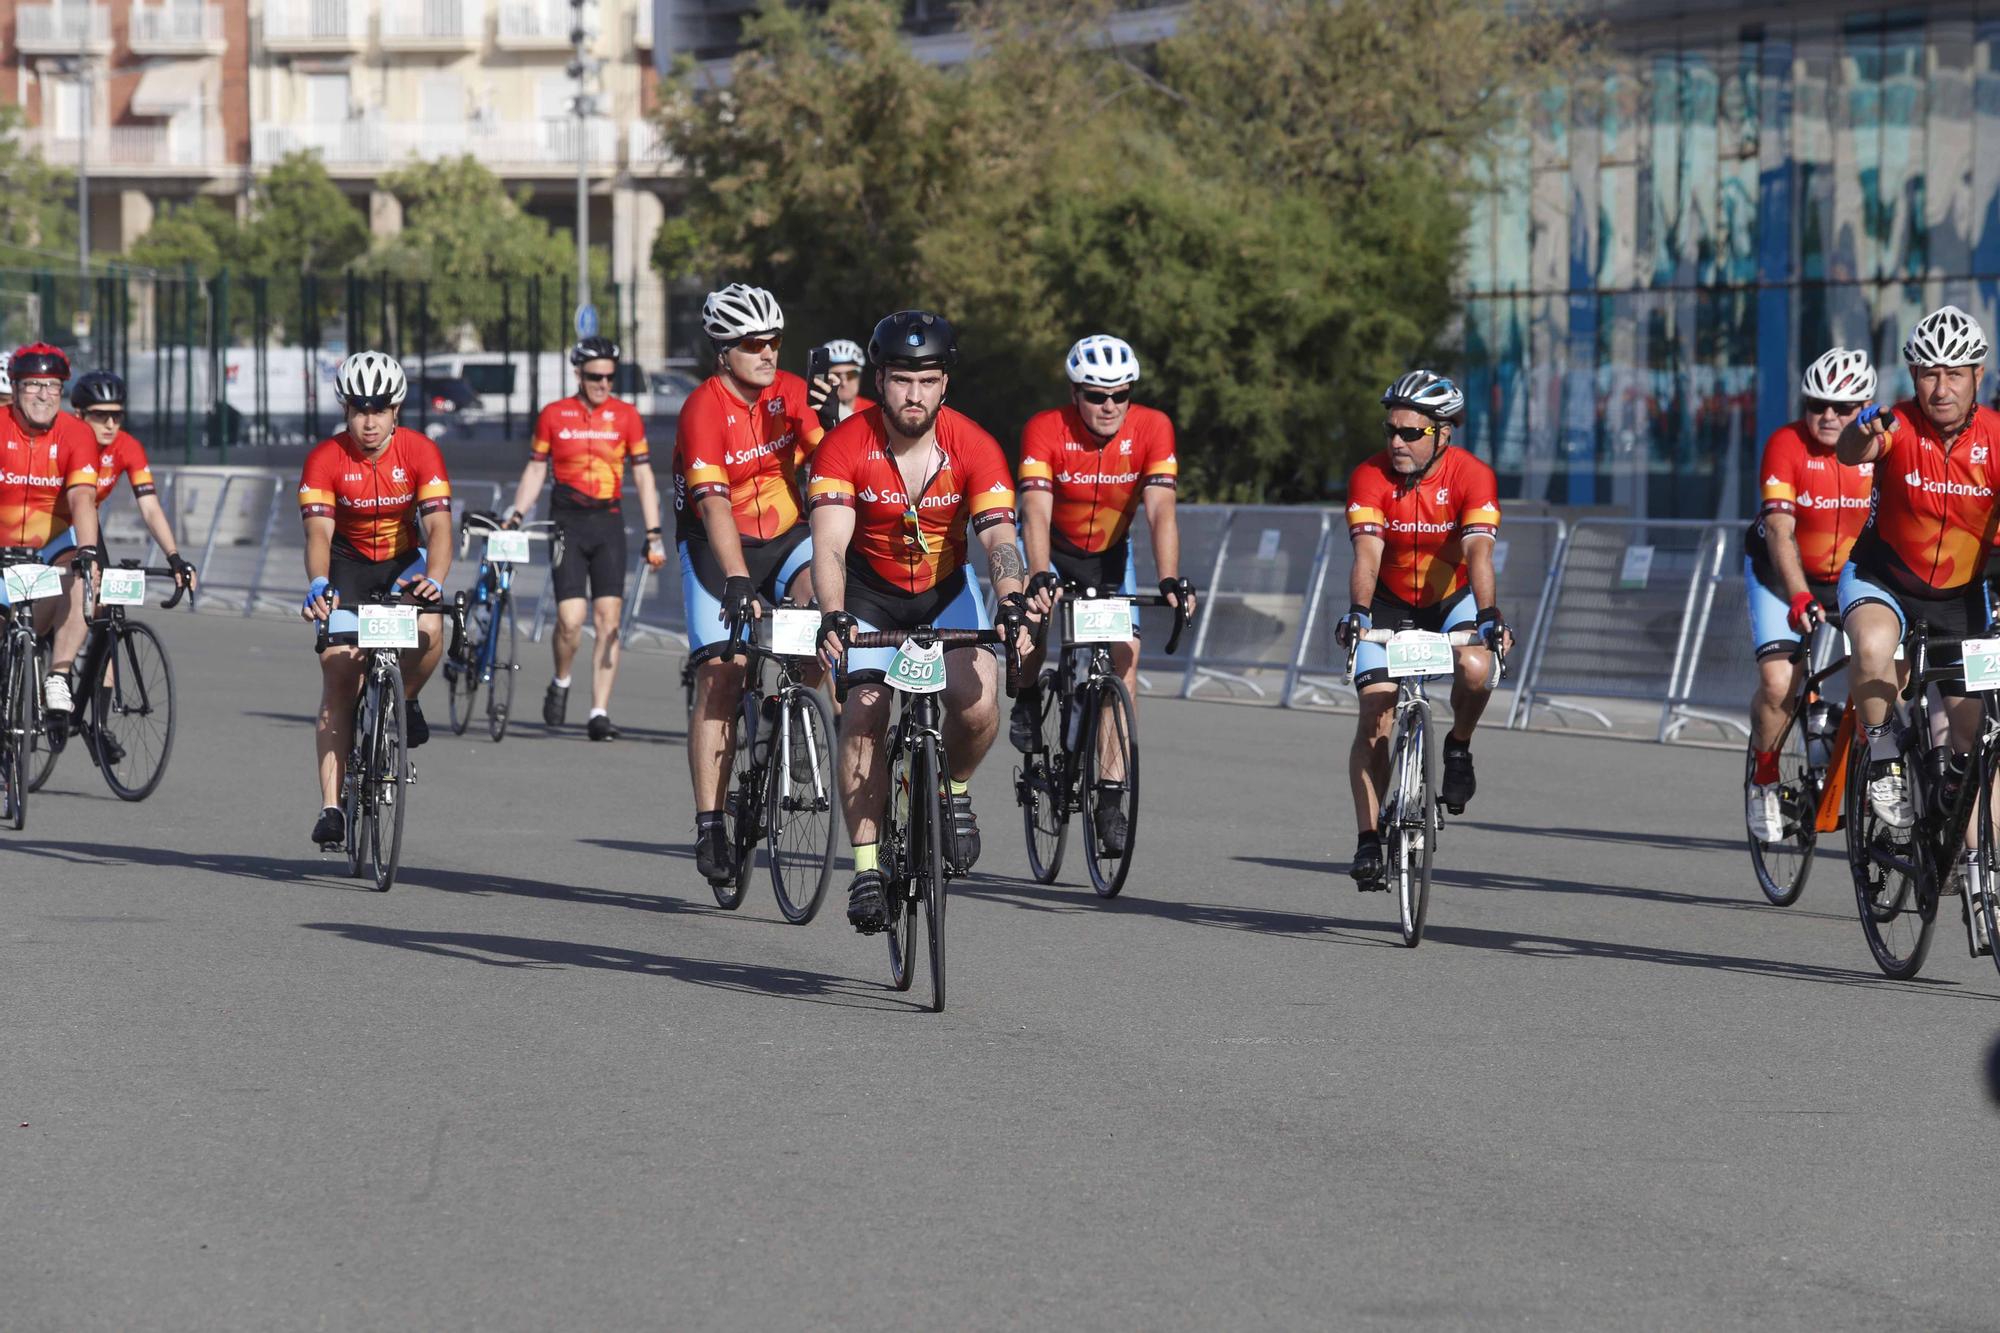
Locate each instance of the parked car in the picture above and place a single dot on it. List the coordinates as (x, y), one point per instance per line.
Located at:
(447, 395)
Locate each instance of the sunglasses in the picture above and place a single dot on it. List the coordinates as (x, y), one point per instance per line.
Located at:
(773, 342)
(913, 530)
(1407, 434)
(589, 378)
(1099, 397)
(850, 376)
(107, 418)
(1819, 406)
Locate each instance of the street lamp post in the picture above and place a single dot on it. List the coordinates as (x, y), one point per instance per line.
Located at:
(583, 67)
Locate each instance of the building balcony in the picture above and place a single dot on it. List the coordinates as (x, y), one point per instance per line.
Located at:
(177, 29)
(63, 29)
(642, 26)
(370, 147)
(137, 150)
(305, 26)
(534, 25)
(646, 150)
(433, 25)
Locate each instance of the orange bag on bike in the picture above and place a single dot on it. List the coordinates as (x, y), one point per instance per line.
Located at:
(1832, 801)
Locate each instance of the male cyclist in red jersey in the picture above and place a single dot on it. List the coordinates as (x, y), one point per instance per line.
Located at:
(376, 503)
(738, 524)
(1922, 554)
(1085, 470)
(1423, 517)
(48, 481)
(897, 493)
(1813, 510)
(587, 439)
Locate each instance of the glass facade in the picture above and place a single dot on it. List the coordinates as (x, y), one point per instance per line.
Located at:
(1672, 239)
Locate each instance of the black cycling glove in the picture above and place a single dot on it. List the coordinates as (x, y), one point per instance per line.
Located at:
(739, 594)
(183, 571)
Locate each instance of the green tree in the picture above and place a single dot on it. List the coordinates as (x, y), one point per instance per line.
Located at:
(38, 205)
(200, 232)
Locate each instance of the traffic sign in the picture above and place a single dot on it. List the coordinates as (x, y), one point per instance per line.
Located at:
(586, 321)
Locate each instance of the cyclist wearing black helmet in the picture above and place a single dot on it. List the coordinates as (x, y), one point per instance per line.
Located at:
(897, 493)
(587, 439)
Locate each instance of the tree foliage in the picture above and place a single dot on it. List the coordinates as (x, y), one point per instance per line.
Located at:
(1269, 204)
(200, 233)
(38, 205)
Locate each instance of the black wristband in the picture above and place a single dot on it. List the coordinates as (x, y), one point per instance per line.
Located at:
(1489, 615)
(652, 532)
(1357, 609)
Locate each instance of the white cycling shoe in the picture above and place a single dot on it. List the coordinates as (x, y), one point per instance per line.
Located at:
(55, 694)
(1889, 797)
(1766, 815)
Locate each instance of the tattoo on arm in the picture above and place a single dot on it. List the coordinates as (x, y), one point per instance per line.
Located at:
(1005, 562)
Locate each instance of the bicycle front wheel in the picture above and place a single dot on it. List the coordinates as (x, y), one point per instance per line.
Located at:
(132, 713)
(500, 688)
(1411, 837)
(928, 863)
(900, 849)
(1041, 787)
(801, 821)
(1988, 846)
(45, 743)
(1895, 880)
(461, 678)
(1782, 866)
(389, 776)
(356, 799)
(1110, 787)
(18, 735)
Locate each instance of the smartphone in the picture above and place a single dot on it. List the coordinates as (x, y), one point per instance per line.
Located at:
(819, 363)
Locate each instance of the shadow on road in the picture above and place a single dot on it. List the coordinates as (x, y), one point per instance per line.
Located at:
(477, 884)
(1055, 898)
(515, 951)
(1672, 842)
(237, 864)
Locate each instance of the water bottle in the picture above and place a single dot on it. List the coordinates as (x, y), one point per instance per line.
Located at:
(1822, 721)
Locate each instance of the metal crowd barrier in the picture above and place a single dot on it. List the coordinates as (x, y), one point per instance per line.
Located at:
(1718, 670)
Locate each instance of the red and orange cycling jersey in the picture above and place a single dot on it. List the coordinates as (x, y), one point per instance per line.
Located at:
(913, 545)
(1932, 526)
(588, 447)
(1423, 527)
(375, 503)
(1096, 483)
(37, 471)
(123, 457)
(1828, 503)
(747, 453)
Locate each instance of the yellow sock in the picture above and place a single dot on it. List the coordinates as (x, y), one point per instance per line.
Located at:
(957, 788)
(864, 857)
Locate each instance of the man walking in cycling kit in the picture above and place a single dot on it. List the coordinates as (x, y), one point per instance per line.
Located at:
(376, 504)
(1423, 517)
(737, 519)
(897, 493)
(587, 439)
(1923, 552)
(1812, 512)
(1085, 470)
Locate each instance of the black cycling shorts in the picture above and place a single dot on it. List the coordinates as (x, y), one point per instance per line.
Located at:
(1388, 611)
(588, 553)
(1104, 570)
(356, 580)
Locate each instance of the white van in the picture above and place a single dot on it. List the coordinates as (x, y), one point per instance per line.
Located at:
(503, 382)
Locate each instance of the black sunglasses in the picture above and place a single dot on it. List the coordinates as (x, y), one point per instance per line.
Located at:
(1817, 406)
(108, 418)
(589, 378)
(759, 344)
(1099, 397)
(1407, 434)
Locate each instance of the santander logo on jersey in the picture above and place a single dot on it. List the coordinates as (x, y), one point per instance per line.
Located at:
(29, 479)
(1917, 481)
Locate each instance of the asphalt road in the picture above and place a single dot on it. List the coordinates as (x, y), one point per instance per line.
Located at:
(545, 1083)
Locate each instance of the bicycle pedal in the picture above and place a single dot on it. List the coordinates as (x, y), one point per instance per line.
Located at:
(1454, 809)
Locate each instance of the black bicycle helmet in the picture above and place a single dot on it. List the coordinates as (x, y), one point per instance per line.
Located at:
(593, 349)
(100, 388)
(914, 340)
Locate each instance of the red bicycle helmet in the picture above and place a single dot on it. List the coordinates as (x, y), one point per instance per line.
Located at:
(37, 361)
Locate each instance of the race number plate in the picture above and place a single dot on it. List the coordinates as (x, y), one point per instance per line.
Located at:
(122, 587)
(387, 627)
(918, 669)
(1418, 653)
(1105, 620)
(507, 548)
(1982, 664)
(31, 583)
(794, 632)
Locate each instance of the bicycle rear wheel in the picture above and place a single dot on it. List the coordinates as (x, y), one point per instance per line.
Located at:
(506, 644)
(389, 772)
(928, 864)
(800, 819)
(1041, 788)
(461, 678)
(899, 851)
(1895, 882)
(1782, 866)
(1988, 844)
(17, 736)
(1110, 763)
(132, 713)
(1412, 836)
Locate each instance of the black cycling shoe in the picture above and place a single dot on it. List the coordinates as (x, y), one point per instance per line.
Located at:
(1367, 867)
(330, 833)
(1112, 827)
(600, 728)
(1459, 784)
(714, 857)
(868, 903)
(415, 730)
(555, 705)
(1024, 728)
(103, 746)
(963, 839)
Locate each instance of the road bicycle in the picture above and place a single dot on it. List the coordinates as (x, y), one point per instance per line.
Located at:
(28, 581)
(785, 797)
(487, 656)
(915, 827)
(1087, 746)
(1411, 821)
(376, 779)
(126, 720)
(1805, 753)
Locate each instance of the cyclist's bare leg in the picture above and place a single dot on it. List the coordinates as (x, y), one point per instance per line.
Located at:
(1110, 745)
(1875, 631)
(1961, 717)
(419, 662)
(1777, 678)
(864, 777)
(1368, 760)
(605, 613)
(718, 693)
(70, 623)
(340, 672)
(569, 633)
(1469, 691)
(971, 709)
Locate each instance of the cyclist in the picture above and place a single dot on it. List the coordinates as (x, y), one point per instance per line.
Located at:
(376, 504)
(897, 493)
(1085, 470)
(48, 482)
(1792, 554)
(737, 522)
(844, 362)
(1423, 517)
(587, 438)
(1920, 557)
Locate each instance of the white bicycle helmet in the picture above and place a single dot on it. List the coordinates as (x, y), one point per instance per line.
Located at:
(1102, 362)
(738, 311)
(844, 352)
(1946, 337)
(1427, 392)
(6, 385)
(1841, 375)
(371, 381)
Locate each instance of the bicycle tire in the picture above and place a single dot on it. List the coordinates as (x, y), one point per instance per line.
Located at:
(45, 745)
(1895, 896)
(355, 801)
(391, 773)
(740, 809)
(1413, 835)
(506, 632)
(1988, 842)
(930, 879)
(461, 679)
(135, 711)
(895, 835)
(1782, 867)
(20, 721)
(801, 827)
(1112, 707)
(1041, 789)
